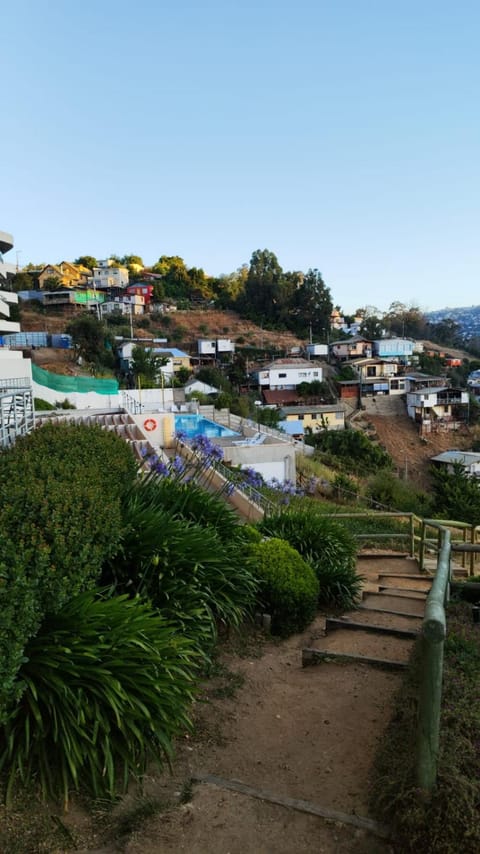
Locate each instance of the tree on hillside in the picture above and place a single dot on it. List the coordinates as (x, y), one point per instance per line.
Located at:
(405, 321)
(312, 303)
(146, 365)
(86, 261)
(457, 494)
(52, 283)
(264, 288)
(175, 278)
(20, 282)
(446, 332)
(230, 287)
(88, 337)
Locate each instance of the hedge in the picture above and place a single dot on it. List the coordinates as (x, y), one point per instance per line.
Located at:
(60, 517)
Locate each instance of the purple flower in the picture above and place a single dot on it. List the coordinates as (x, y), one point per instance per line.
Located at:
(229, 489)
(178, 466)
(161, 468)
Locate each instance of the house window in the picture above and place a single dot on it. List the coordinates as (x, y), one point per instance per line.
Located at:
(302, 374)
(315, 373)
(282, 375)
(371, 372)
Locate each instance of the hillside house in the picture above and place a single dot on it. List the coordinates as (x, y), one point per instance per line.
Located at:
(351, 348)
(400, 349)
(438, 408)
(287, 374)
(379, 376)
(469, 460)
(128, 304)
(416, 380)
(109, 275)
(67, 275)
(142, 290)
(296, 420)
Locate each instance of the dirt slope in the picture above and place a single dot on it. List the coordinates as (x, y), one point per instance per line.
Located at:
(411, 453)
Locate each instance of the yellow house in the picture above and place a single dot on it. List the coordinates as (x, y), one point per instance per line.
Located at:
(68, 275)
(330, 416)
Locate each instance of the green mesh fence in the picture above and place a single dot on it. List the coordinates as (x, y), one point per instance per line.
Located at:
(67, 385)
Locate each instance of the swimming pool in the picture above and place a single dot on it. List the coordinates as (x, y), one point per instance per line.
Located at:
(197, 425)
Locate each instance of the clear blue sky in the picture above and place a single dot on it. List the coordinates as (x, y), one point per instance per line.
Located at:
(340, 134)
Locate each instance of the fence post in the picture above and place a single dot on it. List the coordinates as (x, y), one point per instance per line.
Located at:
(412, 535)
(422, 546)
(431, 662)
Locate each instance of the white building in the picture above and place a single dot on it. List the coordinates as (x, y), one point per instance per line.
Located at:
(109, 275)
(16, 399)
(288, 374)
(6, 243)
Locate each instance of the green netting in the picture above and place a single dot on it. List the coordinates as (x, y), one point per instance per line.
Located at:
(67, 385)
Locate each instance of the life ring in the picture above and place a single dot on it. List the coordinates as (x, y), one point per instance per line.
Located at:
(150, 424)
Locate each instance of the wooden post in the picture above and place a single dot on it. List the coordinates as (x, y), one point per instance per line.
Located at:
(428, 734)
(434, 631)
(422, 546)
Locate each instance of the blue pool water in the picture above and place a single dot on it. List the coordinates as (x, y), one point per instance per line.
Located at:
(196, 425)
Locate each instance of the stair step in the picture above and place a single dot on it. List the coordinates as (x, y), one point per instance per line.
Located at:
(395, 604)
(406, 592)
(344, 641)
(333, 623)
(365, 616)
(317, 656)
(408, 576)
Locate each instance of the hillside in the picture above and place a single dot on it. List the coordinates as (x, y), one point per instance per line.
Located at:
(398, 434)
(181, 328)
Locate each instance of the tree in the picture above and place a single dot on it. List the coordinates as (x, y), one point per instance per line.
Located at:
(372, 327)
(21, 282)
(146, 365)
(313, 303)
(457, 494)
(52, 283)
(87, 261)
(175, 278)
(88, 336)
(263, 287)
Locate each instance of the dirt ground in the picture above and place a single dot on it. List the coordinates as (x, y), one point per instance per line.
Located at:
(303, 733)
(263, 720)
(410, 452)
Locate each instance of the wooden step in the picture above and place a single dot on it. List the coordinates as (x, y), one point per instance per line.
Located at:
(405, 582)
(333, 623)
(408, 592)
(394, 604)
(364, 616)
(362, 642)
(317, 656)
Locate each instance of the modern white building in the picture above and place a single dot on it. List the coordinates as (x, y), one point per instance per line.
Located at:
(109, 275)
(16, 399)
(6, 270)
(288, 374)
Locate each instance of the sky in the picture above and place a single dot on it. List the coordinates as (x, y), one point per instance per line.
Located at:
(341, 135)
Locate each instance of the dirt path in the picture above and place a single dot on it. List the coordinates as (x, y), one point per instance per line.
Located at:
(267, 722)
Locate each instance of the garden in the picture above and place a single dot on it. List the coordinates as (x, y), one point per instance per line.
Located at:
(114, 587)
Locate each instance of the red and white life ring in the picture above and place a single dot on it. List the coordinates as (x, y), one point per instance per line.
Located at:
(150, 424)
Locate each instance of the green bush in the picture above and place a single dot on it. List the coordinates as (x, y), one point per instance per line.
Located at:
(386, 489)
(60, 518)
(351, 447)
(288, 586)
(196, 573)
(328, 546)
(42, 405)
(107, 686)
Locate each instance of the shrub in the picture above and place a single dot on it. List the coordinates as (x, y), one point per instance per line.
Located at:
(184, 567)
(60, 517)
(327, 546)
(386, 489)
(108, 684)
(42, 405)
(352, 447)
(288, 586)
